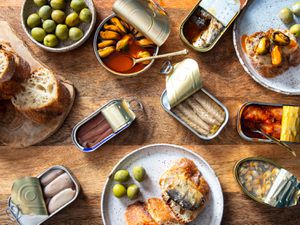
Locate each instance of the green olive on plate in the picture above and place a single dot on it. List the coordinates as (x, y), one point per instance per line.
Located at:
(49, 26)
(122, 176)
(119, 190)
(85, 15)
(72, 19)
(295, 30)
(296, 8)
(75, 34)
(139, 173)
(58, 4)
(50, 40)
(40, 3)
(62, 32)
(286, 15)
(77, 5)
(34, 20)
(45, 12)
(38, 34)
(58, 16)
(133, 191)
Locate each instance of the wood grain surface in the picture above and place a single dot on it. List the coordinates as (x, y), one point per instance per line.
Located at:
(223, 76)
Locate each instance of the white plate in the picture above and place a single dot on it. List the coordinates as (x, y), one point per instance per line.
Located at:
(156, 159)
(261, 15)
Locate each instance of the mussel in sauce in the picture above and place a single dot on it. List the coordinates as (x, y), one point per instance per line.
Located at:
(104, 52)
(110, 35)
(280, 38)
(263, 46)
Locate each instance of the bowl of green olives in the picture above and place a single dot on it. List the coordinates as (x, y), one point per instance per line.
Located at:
(58, 25)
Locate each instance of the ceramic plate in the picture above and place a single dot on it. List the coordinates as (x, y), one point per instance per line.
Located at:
(261, 15)
(156, 159)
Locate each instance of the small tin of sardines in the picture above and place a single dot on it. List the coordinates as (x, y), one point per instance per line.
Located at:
(105, 123)
(280, 121)
(34, 200)
(266, 182)
(136, 30)
(190, 104)
(208, 21)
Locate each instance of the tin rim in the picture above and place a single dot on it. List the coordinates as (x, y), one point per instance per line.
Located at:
(236, 176)
(154, 145)
(95, 45)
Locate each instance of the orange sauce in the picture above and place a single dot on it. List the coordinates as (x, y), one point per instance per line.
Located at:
(121, 61)
(243, 40)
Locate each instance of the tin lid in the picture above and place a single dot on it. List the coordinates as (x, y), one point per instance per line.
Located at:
(146, 16)
(183, 81)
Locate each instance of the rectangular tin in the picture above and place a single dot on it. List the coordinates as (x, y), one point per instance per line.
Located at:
(16, 214)
(239, 119)
(115, 133)
(166, 106)
(205, 49)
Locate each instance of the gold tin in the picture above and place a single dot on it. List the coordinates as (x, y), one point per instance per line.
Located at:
(285, 190)
(212, 11)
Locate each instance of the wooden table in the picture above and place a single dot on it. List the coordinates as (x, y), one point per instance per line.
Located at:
(223, 76)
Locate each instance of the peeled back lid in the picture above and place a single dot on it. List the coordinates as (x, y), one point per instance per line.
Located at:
(183, 81)
(146, 16)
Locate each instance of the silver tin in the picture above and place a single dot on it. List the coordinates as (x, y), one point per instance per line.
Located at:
(15, 213)
(166, 106)
(239, 119)
(88, 118)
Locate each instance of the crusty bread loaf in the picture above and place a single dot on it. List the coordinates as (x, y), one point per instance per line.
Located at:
(43, 97)
(7, 66)
(9, 88)
(137, 214)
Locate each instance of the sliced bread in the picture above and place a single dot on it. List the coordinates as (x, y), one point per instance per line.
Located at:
(43, 97)
(7, 66)
(137, 214)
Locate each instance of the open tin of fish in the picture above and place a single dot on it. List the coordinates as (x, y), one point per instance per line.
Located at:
(281, 121)
(266, 182)
(145, 22)
(34, 200)
(208, 21)
(105, 123)
(189, 103)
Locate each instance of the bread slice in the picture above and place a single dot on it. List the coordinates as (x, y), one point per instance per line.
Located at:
(7, 66)
(161, 213)
(43, 97)
(184, 190)
(8, 89)
(137, 214)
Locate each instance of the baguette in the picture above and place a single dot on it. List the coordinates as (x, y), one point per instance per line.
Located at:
(7, 66)
(43, 97)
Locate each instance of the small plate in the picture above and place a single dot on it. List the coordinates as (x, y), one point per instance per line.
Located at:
(64, 46)
(156, 159)
(261, 16)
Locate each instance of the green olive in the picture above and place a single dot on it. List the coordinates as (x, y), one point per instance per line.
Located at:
(77, 5)
(72, 19)
(75, 34)
(49, 26)
(295, 30)
(85, 15)
(121, 176)
(133, 191)
(50, 40)
(34, 20)
(286, 15)
(296, 8)
(45, 12)
(58, 16)
(40, 3)
(38, 34)
(139, 173)
(119, 190)
(58, 4)
(62, 32)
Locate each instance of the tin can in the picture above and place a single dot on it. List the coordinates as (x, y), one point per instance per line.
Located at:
(221, 12)
(118, 114)
(16, 215)
(144, 15)
(183, 82)
(282, 189)
(243, 132)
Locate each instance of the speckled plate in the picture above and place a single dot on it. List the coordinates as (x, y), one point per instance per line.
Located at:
(261, 15)
(156, 159)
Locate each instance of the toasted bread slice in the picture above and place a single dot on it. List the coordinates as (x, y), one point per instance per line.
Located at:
(137, 214)
(161, 213)
(43, 97)
(7, 66)
(184, 190)
(9, 88)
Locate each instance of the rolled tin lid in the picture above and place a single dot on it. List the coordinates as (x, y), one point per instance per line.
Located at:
(184, 81)
(146, 16)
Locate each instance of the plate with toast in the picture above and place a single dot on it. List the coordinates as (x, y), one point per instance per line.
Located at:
(179, 188)
(266, 48)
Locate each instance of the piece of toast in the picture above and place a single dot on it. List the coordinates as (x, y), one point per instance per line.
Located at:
(43, 97)
(184, 190)
(137, 214)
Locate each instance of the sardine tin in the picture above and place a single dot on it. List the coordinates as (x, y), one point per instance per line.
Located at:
(239, 120)
(284, 192)
(125, 110)
(215, 10)
(38, 220)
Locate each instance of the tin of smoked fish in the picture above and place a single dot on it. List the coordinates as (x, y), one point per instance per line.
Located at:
(104, 124)
(266, 182)
(208, 21)
(190, 104)
(278, 120)
(24, 191)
